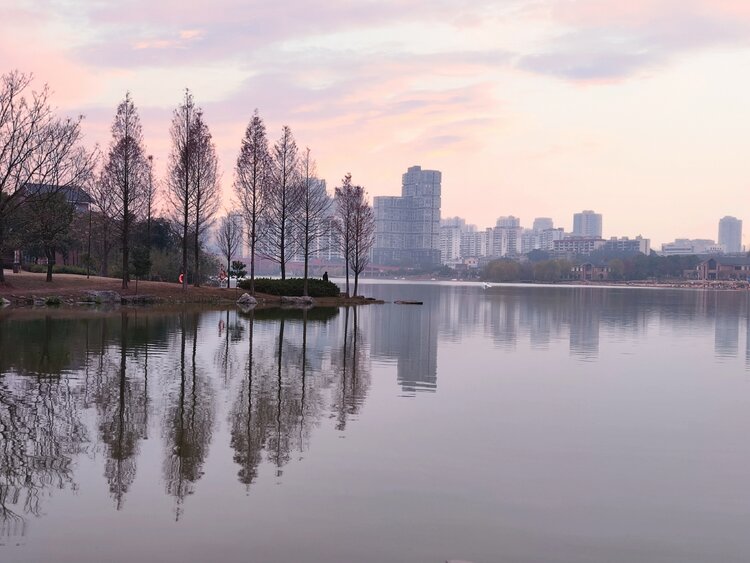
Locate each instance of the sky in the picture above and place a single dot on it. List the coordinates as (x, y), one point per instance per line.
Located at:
(533, 108)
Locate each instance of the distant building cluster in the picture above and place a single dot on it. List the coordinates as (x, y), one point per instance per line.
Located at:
(411, 233)
(730, 241)
(466, 245)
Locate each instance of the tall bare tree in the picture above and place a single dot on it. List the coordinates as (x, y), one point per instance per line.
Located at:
(344, 199)
(35, 146)
(104, 221)
(206, 194)
(149, 203)
(311, 218)
(283, 201)
(229, 238)
(125, 174)
(363, 233)
(251, 184)
(179, 173)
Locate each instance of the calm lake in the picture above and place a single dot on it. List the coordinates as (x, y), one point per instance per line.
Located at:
(513, 424)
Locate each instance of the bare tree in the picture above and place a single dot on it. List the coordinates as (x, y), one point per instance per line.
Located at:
(149, 203)
(363, 233)
(311, 219)
(252, 177)
(179, 184)
(205, 177)
(125, 174)
(35, 146)
(283, 201)
(230, 238)
(344, 198)
(104, 222)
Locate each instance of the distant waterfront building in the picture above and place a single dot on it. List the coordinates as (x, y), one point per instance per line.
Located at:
(542, 224)
(628, 245)
(724, 268)
(407, 227)
(450, 244)
(548, 237)
(506, 237)
(683, 247)
(578, 246)
(587, 224)
(475, 244)
(730, 234)
(508, 222)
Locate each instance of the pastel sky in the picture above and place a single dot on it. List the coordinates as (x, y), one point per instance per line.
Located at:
(637, 109)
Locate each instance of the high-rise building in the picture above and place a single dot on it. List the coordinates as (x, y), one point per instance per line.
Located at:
(505, 241)
(730, 234)
(407, 227)
(587, 224)
(509, 221)
(475, 244)
(542, 224)
(451, 230)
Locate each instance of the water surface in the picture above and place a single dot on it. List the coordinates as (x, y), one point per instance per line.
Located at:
(519, 424)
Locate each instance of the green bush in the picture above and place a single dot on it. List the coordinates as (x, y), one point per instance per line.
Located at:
(61, 269)
(292, 287)
(53, 301)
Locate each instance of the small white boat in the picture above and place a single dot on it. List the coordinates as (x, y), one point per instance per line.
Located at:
(486, 285)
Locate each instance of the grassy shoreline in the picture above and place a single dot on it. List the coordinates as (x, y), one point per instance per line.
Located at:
(29, 289)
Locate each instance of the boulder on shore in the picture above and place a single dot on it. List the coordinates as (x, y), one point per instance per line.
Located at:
(299, 301)
(246, 300)
(103, 296)
(139, 299)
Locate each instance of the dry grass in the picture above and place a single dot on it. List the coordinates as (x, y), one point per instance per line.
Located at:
(26, 284)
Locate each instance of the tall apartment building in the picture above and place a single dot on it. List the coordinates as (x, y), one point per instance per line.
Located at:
(407, 227)
(548, 237)
(450, 243)
(475, 244)
(542, 224)
(587, 224)
(506, 237)
(730, 234)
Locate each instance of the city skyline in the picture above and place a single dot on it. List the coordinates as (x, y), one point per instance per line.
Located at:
(530, 108)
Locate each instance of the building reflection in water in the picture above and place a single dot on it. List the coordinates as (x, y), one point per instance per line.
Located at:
(106, 382)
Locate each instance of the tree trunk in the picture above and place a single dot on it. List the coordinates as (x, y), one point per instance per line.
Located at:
(252, 260)
(50, 263)
(356, 282)
(346, 268)
(2, 247)
(184, 250)
(281, 254)
(229, 276)
(196, 252)
(125, 253)
(304, 283)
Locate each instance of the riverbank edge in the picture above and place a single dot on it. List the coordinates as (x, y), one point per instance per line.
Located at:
(82, 299)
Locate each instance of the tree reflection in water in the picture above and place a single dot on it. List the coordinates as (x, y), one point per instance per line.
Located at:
(282, 371)
(188, 422)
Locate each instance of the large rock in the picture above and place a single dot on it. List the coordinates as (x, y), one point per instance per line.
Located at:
(247, 300)
(299, 301)
(104, 296)
(140, 299)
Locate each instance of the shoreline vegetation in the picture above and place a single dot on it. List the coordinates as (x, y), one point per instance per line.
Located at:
(31, 289)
